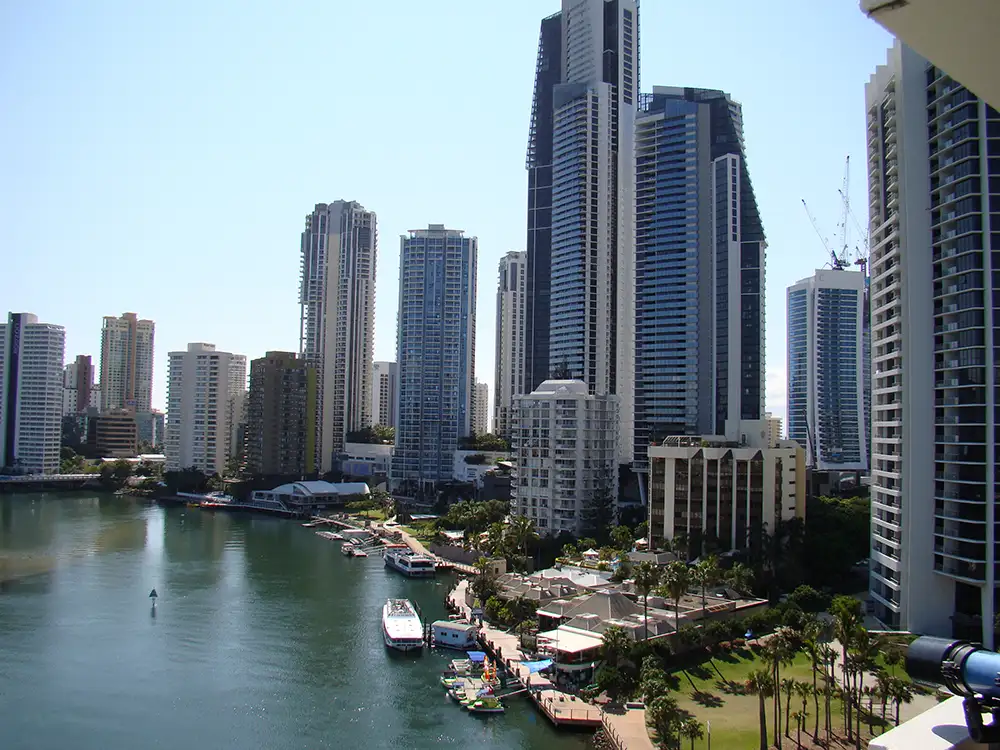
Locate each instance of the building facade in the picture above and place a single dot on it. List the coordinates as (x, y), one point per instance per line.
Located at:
(699, 312)
(826, 372)
(280, 416)
(113, 434)
(237, 404)
(337, 297)
(79, 392)
(31, 394)
(509, 361)
(436, 353)
(580, 250)
(127, 363)
(385, 384)
(565, 455)
(934, 185)
(202, 389)
(481, 408)
(720, 494)
(150, 428)
(774, 429)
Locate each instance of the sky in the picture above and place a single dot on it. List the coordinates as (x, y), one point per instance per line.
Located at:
(160, 158)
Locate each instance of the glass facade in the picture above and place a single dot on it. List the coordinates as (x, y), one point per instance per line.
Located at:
(797, 402)
(435, 352)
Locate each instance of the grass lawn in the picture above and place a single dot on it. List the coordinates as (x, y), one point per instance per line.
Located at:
(703, 690)
(372, 515)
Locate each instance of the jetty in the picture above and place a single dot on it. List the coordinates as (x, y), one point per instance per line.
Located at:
(561, 708)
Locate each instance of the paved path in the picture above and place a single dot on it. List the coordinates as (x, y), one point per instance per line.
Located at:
(628, 730)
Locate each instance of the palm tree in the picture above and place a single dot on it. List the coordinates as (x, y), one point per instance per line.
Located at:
(522, 530)
(664, 715)
(647, 578)
(787, 687)
(759, 683)
(740, 577)
(676, 579)
(847, 613)
(691, 728)
(811, 635)
(705, 574)
(777, 650)
(901, 693)
(804, 690)
(828, 656)
(799, 717)
(883, 689)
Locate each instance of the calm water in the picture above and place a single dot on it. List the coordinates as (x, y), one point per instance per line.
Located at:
(264, 636)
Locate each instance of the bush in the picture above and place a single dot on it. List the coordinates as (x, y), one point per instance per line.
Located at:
(809, 599)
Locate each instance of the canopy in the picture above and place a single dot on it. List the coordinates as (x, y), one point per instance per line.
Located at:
(476, 655)
(537, 666)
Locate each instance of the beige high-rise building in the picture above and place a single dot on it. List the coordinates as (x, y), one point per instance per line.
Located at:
(126, 363)
(337, 336)
(385, 383)
(205, 393)
(481, 408)
(509, 379)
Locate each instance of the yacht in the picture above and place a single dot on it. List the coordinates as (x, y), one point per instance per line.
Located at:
(409, 563)
(402, 628)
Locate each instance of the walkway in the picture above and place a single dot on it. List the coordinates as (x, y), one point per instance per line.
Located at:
(627, 730)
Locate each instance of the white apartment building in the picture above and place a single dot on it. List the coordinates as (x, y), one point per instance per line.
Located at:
(509, 361)
(481, 408)
(713, 489)
(934, 306)
(204, 388)
(31, 394)
(826, 371)
(337, 297)
(566, 455)
(385, 384)
(581, 216)
(127, 363)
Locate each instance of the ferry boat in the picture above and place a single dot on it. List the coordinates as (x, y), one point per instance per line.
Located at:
(402, 628)
(409, 563)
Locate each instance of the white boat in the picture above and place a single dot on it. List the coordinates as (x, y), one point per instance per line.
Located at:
(409, 563)
(402, 628)
(348, 549)
(460, 635)
(332, 536)
(358, 552)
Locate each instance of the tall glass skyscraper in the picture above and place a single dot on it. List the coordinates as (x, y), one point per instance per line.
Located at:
(581, 263)
(436, 352)
(699, 314)
(826, 374)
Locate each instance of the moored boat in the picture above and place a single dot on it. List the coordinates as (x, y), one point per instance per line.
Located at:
(402, 628)
(348, 549)
(409, 563)
(358, 552)
(451, 634)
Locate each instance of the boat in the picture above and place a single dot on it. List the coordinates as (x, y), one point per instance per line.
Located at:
(348, 549)
(409, 563)
(331, 535)
(488, 704)
(358, 552)
(451, 634)
(402, 628)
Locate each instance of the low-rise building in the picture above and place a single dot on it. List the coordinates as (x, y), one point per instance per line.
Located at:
(113, 434)
(564, 443)
(709, 488)
(366, 459)
(306, 497)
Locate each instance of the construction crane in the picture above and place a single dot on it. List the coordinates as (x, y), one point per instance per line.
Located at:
(836, 263)
(863, 249)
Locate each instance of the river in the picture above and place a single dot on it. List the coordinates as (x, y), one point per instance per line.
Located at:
(264, 635)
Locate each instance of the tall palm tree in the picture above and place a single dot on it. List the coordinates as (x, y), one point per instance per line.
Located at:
(664, 715)
(646, 578)
(691, 728)
(740, 577)
(759, 683)
(828, 657)
(676, 579)
(803, 690)
(847, 613)
(799, 717)
(788, 687)
(522, 529)
(705, 574)
(901, 693)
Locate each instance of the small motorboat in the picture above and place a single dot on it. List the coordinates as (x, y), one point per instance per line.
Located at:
(358, 552)
(348, 550)
(488, 704)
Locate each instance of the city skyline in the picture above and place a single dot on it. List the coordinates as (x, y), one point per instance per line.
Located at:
(270, 228)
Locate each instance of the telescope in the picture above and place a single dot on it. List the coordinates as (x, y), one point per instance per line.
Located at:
(966, 669)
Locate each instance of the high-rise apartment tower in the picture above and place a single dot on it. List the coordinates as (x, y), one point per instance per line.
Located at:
(510, 363)
(127, 363)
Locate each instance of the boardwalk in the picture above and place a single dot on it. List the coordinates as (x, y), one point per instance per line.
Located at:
(562, 709)
(627, 728)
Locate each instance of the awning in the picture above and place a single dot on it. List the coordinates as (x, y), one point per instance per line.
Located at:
(537, 666)
(476, 656)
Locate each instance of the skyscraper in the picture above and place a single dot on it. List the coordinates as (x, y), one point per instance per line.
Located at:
(699, 288)
(79, 393)
(510, 360)
(934, 189)
(826, 383)
(237, 404)
(436, 352)
(280, 413)
(481, 408)
(203, 387)
(385, 383)
(337, 297)
(580, 248)
(127, 363)
(31, 394)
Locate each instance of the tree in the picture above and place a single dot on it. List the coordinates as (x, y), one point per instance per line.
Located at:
(809, 599)
(803, 690)
(788, 687)
(691, 728)
(836, 536)
(759, 683)
(705, 574)
(647, 578)
(799, 717)
(828, 657)
(621, 539)
(846, 611)
(664, 715)
(777, 650)
(740, 578)
(676, 579)
(642, 531)
(485, 584)
(617, 675)
(598, 512)
(811, 641)
(900, 693)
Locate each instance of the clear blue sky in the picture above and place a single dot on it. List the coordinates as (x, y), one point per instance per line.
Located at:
(160, 157)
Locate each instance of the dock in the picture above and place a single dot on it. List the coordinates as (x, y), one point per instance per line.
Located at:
(561, 708)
